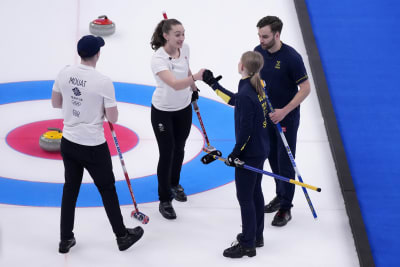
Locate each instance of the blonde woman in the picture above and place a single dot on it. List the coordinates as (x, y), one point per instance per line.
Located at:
(251, 147)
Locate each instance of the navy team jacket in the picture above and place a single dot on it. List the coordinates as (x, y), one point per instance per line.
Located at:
(251, 133)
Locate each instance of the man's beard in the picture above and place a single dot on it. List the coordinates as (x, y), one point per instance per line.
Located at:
(269, 45)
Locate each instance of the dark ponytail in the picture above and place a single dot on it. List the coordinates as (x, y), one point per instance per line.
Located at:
(164, 26)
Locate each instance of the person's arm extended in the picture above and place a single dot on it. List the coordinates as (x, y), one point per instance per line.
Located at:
(193, 86)
(225, 94)
(168, 77)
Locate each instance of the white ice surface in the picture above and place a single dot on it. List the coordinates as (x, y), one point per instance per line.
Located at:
(39, 37)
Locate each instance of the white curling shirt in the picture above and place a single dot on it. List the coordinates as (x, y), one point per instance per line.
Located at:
(85, 93)
(166, 98)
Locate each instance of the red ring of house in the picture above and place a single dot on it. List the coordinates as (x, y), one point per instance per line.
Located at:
(25, 138)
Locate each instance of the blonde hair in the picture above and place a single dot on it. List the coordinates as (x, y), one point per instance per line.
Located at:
(253, 62)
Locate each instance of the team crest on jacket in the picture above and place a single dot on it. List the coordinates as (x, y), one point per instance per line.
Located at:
(76, 91)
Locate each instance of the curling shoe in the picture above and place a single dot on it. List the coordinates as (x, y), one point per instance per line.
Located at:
(238, 251)
(272, 206)
(167, 211)
(65, 245)
(259, 242)
(178, 194)
(130, 238)
(281, 218)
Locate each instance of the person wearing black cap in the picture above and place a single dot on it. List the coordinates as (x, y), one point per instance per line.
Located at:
(86, 97)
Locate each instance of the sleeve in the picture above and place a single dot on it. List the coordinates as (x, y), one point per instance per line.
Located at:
(186, 51)
(225, 94)
(109, 94)
(56, 87)
(246, 111)
(158, 64)
(298, 70)
(186, 54)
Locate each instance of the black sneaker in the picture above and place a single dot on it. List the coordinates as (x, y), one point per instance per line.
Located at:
(238, 251)
(272, 206)
(259, 242)
(178, 194)
(65, 245)
(281, 218)
(167, 211)
(131, 237)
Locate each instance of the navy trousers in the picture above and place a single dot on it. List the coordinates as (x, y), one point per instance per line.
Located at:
(280, 161)
(251, 200)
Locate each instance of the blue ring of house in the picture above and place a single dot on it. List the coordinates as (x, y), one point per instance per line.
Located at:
(196, 177)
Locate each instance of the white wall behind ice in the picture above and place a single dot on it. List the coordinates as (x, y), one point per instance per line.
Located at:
(40, 37)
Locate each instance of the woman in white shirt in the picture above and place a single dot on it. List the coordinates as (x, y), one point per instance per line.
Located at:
(171, 113)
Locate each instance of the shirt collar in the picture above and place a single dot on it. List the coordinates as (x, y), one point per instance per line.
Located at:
(86, 67)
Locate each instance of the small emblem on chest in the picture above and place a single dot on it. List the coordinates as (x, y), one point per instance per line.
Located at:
(278, 65)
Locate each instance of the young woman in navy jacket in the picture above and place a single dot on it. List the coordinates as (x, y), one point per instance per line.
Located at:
(251, 147)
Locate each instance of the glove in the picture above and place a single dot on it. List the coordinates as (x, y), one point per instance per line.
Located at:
(230, 160)
(208, 78)
(195, 95)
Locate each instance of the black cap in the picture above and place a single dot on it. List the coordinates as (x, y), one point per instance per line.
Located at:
(89, 45)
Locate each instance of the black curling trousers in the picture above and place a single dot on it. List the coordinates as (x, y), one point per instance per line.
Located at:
(171, 129)
(97, 161)
(251, 200)
(279, 159)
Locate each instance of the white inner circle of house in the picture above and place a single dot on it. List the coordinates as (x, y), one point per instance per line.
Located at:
(140, 161)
